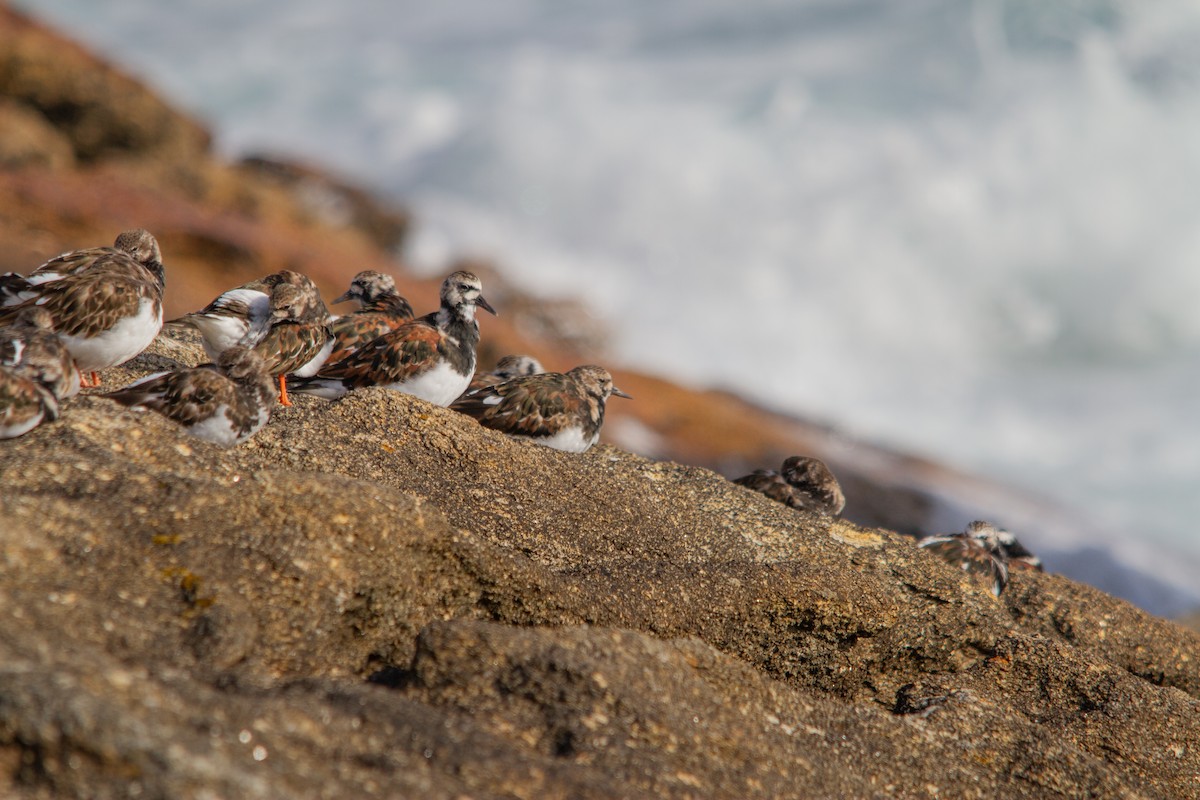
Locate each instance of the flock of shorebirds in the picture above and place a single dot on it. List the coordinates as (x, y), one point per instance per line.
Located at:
(91, 309)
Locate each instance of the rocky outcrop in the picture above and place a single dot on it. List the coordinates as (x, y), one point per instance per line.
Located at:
(377, 596)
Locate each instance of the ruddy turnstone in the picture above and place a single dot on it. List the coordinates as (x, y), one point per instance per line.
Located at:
(30, 348)
(556, 409)
(106, 302)
(382, 309)
(432, 357)
(975, 551)
(238, 316)
(298, 338)
(226, 402)
(802, 482)
(506, 369)
(36, 372)
(24, 404)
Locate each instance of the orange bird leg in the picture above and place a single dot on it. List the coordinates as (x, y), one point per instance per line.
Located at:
(283, 398)
(89, 383)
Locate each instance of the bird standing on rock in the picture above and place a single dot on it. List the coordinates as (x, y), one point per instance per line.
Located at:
(298, 338)
(36, 372)
(105, 302)
(976, 551)
(226, 402)
(240, 315)
(382, 309)
(432, 357)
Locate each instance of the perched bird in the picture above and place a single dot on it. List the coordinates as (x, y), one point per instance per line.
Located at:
(105, 302)
(382, 309)
(298, 337)
(238, 316)
(975, 551)
(432, 357)
(31, 348)
(25, 403)
(506, 369)
(226, 402)
(36, 372)
(556, 409)
(802, 482)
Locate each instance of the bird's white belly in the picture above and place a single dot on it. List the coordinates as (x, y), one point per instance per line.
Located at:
(440, 385)
(218, 428)
(570, 440)
(119, 343)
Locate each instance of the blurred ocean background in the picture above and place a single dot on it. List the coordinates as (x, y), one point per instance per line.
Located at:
(970, 230)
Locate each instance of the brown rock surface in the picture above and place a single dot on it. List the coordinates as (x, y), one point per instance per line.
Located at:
(378, 597)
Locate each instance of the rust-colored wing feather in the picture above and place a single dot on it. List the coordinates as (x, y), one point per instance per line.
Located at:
(393, 357)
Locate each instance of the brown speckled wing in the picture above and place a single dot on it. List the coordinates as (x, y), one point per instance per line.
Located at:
(78, 261)
(92, 301)
(816, 489)
(290, 345)
(188, 396)
(538, 405)
(770, 483)
(392, 358)
(22, 400)
(391, 305)
(40, 356)
(355, 330)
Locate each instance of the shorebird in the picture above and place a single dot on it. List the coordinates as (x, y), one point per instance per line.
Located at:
(975, 551)
(802, 482)
(382, 309)
(105, 302)
(562, 410)
(432, 357)
(226, 402)
(31, 348)
(298, 338)
(36, 372)
(238, 316)
(16, 288)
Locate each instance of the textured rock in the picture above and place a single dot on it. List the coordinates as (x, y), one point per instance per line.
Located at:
(377, 596)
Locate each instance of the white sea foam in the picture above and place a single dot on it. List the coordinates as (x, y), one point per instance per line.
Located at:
(966, 229)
